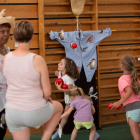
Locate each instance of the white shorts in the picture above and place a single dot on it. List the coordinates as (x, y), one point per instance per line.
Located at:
(18, 120)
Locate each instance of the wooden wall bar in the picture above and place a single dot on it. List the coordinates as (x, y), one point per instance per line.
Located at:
(57, 16)
(22, 10)
(122, 16)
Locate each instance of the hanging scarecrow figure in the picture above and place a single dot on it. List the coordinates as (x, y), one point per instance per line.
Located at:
(80, 46)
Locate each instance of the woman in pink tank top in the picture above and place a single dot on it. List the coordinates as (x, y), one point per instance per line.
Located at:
(27, 105)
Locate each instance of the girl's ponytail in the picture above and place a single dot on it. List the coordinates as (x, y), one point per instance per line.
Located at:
(134, 81)
(83, 94)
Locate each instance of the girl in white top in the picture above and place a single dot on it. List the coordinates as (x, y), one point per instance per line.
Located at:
(67, 71)
(68, 81)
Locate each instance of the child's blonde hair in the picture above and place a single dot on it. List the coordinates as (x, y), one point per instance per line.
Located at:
(128, 61)
(75, 91)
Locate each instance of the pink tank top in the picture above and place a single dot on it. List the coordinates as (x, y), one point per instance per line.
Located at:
(24, 88)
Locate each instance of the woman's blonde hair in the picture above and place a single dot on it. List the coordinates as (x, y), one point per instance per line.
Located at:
(75, 91)
(23, 31)
(128, 61)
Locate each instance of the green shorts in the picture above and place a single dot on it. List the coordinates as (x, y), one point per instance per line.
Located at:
(87, 125)
(134, 115)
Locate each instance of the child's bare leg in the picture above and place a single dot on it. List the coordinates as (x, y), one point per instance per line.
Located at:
(74, 133)
(92, 133)
(64, 120)
(134, 127)
(139, 128)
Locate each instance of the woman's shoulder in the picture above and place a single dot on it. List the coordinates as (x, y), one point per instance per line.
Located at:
(38, 60)
(38, 57)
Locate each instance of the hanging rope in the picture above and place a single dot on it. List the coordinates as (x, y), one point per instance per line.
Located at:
(77, 22)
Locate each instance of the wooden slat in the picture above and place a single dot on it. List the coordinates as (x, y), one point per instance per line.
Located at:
(65, 13)
(52, 43)
(110, 77)
(113, 76)
(104, 41)
(17, 1)
(67, 27)
(119, 49)
(51, 72)
(67, 23)
(52, 62)
(115, 121)
(56, 52)
(122, 36)
(108, 86)
(21, 11)
(56, 91)
(118, 3)
(113, 67)
(119, 12)
(35, 51)
(34, 22)
(114, 58)
(41, 28)
(112, 113)
(95, 27)
(61, 100)
(110, 95)
(110, 98)
(34, 43)
(64, 3)
(118, 21)
(104, 104)
(121, 42)
(126, 30)
(52, 82)
(121, 39)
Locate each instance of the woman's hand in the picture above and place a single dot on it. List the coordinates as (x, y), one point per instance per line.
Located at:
(58, 86)
(115, 105)
(0, 88)
(50, 100)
